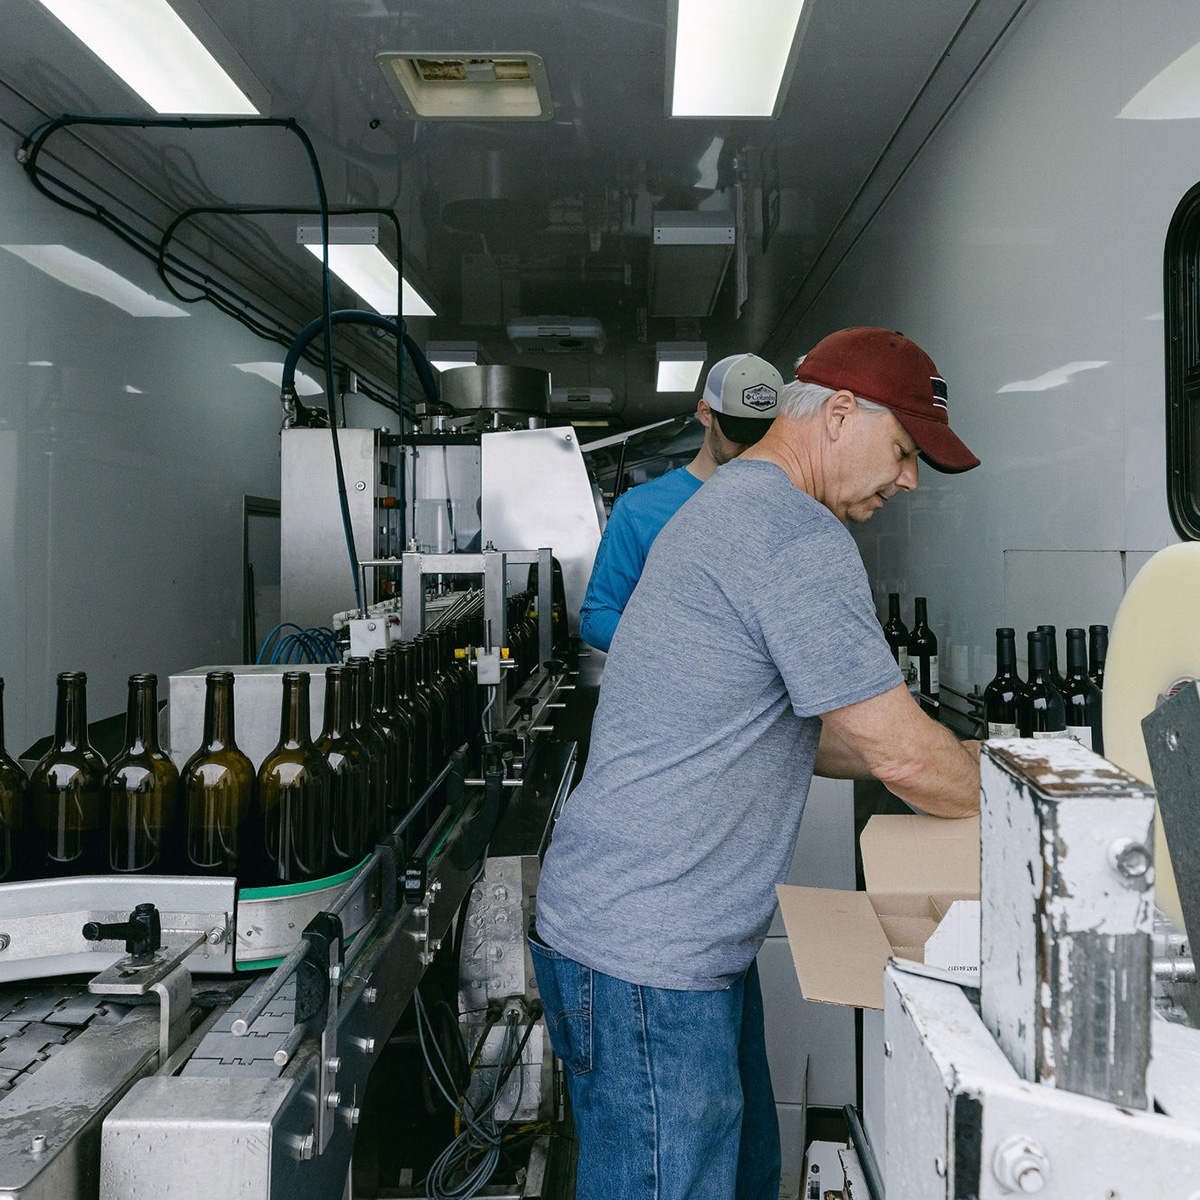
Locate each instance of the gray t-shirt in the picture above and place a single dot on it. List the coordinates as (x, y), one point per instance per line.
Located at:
(753, 616)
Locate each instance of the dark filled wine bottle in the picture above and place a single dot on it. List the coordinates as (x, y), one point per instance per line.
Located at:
(923, 651)
(1052, 670)
(395, 736)
(1097, 653)
(362, 725)
(142, 790)
(1042, 710)
(1001, 697)
(66, 792)
(294, 784)
(439, 717)
(409, 700)
(1081, 696)
(217, 792)
(349, 764)
(896, 633)
(13, 853)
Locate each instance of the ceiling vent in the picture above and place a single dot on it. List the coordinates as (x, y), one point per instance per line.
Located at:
(556, 335)
(474, 87)
(688, 259)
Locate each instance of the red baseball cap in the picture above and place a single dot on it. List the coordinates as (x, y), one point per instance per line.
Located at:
(883, 366)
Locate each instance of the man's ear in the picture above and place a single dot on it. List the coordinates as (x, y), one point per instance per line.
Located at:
(837, 408)
(704, 412)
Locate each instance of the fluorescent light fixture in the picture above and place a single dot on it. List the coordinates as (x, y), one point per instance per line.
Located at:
(134, 391)
(679, 365)
(1172, 95)
(40, 362)
(731, 63)
(87, 275)
(370, 274)
(448, 355)
(272, 372)
(150, 47)
(1051, 379)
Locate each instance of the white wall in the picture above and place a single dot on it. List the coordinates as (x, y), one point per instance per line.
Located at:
(120, 511)
(1028, 235)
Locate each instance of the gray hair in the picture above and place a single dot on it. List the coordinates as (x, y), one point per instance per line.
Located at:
(799, 400)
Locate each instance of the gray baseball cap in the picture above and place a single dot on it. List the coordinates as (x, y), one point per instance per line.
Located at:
(744, 390)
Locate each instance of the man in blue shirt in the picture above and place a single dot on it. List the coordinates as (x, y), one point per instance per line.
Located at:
(741, 399)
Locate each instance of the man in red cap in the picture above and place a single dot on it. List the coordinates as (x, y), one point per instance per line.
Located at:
(659, 886)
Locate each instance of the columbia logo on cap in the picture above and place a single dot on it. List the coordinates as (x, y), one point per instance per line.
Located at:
(940, 393)
(760, 397)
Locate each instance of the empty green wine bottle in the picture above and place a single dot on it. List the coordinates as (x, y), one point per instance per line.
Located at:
(142, 790)
(217, 788)
(66, 792)
(294, 786)
(13, 852)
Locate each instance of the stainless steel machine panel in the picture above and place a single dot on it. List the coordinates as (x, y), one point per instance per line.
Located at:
(315, 577)
(536, 493)
(257, 698)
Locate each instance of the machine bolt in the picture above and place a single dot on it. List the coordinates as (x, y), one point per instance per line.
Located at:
(305, 1146)
(216, 936)
(435, 886)
(887, 1049)
(5, 941)
(1173, 744)
(435, 944)
(353, 1115)
(334, 1064)
(333, 1099)
(371, 626)
(370, 995)
(360, 485)
(1131, 860)
(1020, 1165)
(335, 973)
(366, 1044)
(38, 1144)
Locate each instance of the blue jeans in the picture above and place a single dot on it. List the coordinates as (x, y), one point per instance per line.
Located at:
(670, 1090)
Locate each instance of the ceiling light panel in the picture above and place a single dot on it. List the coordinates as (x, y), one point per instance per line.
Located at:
(679, 365)
(368, 272)
(154, 51)
(731, 62)
(475, 87)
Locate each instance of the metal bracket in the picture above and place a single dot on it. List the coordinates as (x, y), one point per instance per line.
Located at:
(162, 973)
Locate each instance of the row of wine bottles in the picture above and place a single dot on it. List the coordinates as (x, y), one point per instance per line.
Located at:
(311, 810)
(1047, 703)
(916, 652)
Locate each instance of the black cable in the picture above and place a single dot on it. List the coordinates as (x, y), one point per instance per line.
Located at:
(31, 148)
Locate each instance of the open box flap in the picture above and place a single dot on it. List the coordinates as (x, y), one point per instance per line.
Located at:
(926, 855)
(837, 944)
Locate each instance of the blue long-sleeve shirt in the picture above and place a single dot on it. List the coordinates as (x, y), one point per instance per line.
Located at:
(637, 517)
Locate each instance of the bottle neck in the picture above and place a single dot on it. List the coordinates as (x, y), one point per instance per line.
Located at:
(70, 721)
(403, 667)
(1, 718)
(1006, 652)
(893, 606)
(1037, 656)
(1077, 656)
(294, 727)
(1098, 649)
(218, 713)
(339, 695)
(141, 716)
(360, 673)
(381, 692)
(920, 611)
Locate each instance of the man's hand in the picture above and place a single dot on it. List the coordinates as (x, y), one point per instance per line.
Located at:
(890, 738)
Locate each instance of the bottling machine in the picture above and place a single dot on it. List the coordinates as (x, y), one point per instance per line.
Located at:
(183, 1035)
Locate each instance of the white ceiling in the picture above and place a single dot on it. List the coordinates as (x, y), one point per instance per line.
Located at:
(523, 218)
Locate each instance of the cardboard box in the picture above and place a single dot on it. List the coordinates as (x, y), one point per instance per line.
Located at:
(921, 902)
(916, 867)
